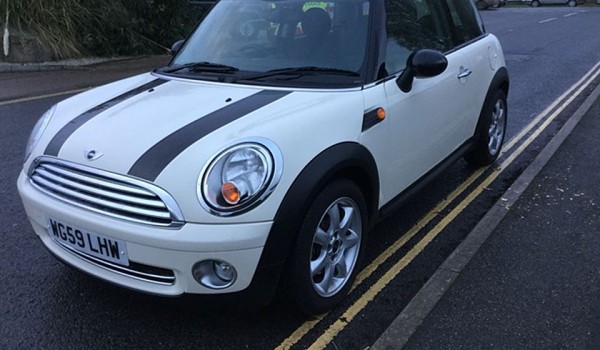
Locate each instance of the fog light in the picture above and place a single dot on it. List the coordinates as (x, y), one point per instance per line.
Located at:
(214, 274)
(224, 271)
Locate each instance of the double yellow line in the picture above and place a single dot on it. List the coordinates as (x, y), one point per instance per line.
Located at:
(545, 118)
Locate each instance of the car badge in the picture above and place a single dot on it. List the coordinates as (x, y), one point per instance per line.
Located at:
(93, 155)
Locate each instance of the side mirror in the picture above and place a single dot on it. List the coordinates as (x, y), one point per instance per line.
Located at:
(176, 47)
(421, 64)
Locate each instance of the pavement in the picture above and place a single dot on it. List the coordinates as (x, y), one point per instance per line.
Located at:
(34, 80)
(527, 276)
(7, 67)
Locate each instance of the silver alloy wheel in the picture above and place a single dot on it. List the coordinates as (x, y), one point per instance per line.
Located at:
(335, 247)
(497, 127)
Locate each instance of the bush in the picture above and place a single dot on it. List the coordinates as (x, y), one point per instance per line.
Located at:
(75, 28)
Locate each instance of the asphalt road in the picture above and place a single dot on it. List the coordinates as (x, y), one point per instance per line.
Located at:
(44, 304)
(535, 283)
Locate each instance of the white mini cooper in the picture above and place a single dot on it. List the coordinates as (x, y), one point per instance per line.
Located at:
(261, 155)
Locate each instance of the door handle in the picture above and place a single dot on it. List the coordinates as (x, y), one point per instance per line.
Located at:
(464, 72)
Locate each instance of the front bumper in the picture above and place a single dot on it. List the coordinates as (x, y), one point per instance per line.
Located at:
(161, 249)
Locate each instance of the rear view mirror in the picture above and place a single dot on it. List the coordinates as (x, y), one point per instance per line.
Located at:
(421, 64)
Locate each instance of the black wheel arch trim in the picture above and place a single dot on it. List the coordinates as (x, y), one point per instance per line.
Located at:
(346, 160)
(500, 81)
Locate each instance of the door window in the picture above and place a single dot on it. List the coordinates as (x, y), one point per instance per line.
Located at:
(466, 23)
(412, 25)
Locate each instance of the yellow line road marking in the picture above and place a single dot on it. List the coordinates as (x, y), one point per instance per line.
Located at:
(299, 333)
(376, 288)
(41, 97)
(367, 271)
(546, 111)
(372, 267)
(363, 301)
(331, 332)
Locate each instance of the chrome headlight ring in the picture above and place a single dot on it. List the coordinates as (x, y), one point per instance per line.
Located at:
(240, 177)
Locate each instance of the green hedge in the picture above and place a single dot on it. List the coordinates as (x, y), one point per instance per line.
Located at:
(75, 28)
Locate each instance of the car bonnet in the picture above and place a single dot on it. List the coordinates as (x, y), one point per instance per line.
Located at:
(138, 129)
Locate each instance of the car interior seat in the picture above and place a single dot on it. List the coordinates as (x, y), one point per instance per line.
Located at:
(316, 23)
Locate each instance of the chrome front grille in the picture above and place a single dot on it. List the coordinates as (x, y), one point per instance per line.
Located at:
(104, 192)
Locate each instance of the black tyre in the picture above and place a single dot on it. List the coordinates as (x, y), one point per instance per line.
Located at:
(534, 3)
(491, 130)
(327, 252)
(572, 3)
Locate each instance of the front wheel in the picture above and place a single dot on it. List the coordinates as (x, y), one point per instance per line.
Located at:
(491, 131)
(534, 3)
(328, 249)
(572, 3)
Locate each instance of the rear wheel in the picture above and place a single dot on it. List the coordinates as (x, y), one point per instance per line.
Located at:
(534, 3)
(329, 246)
(492, 131)
(572, 3)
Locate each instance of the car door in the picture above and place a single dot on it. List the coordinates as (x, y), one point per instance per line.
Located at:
(426, 123)
(481, 55)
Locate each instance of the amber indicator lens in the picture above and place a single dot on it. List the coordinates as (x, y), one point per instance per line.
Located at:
(380, 113)
(230, 193)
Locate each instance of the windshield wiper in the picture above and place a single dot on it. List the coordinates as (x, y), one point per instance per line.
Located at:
(300, 71)
(202, 67)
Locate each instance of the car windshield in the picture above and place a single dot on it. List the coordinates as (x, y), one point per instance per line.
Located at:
(292, 41)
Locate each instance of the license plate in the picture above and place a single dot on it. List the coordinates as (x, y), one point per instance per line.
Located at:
(94, 244)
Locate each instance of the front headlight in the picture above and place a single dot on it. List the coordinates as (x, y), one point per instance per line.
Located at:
(240, 177)
(38, 130)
